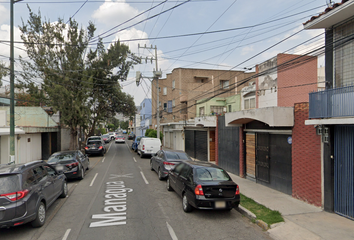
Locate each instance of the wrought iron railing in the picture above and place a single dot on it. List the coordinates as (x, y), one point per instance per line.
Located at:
(337, 102)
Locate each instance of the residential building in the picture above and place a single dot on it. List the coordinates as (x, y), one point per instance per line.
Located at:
(332, 110)
(145, 116)
(259, 145)
(36, 134)
(189, 93)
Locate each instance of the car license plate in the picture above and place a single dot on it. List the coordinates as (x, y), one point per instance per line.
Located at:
(220, 204)
(59, 168)
(93, 148)
(148, 151)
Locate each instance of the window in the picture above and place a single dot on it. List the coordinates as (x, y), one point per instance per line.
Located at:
(217, 109)
(143, 105)
(165, 107)
(169, 106)
(230, 110)
(344, 54)
(201, 111)
(173, 103)
(164, 91)
(224, 84)
(173, 84)
(250, 103)
(159, 89)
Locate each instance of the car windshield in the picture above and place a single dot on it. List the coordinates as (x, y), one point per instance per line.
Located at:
(9, 183)
(61, 157)
(138, 139)
(105, 136)
(120, 137)
(94, 138)
(177, 155)
(212, 174)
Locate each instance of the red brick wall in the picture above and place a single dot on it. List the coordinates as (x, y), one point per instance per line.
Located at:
(295, 79)
(306, 158)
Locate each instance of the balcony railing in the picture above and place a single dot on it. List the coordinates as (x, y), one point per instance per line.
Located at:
(338, 102)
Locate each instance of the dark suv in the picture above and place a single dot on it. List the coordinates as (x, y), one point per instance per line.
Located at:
(26, 192)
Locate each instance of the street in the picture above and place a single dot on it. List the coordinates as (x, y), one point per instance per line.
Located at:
(121, 198)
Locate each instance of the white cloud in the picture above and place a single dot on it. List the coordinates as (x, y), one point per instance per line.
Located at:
(247, 50)
(114, 12)
(4, 14)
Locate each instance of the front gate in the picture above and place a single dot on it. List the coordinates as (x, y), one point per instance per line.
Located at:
(196, 144)
(344, 171)
(262, 157)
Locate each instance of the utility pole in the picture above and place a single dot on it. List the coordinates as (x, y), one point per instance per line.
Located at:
(12, 84)
(157, 75)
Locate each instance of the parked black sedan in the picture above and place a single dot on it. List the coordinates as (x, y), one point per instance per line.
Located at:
(73, 163)
(95, 146)
(165, 160)
(203, 185)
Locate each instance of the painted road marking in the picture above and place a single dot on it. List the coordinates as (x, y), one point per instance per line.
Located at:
(103, 159)
(66, 234)
(172, 233)
(129, 175)
(93, 179)
(115, 206)
(142, 174)
(134, 159)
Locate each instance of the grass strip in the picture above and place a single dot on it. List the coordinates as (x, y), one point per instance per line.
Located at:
(263, 213)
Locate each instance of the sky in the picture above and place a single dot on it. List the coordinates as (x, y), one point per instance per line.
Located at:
(204, 34)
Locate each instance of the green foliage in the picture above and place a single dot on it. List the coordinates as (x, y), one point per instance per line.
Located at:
(4, 71)
(262, 213)
(103, 131)
(111, 127)
(79, 79)
(124, 125)
(153, 133)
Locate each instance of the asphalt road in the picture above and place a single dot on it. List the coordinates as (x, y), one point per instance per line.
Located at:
(121, 198)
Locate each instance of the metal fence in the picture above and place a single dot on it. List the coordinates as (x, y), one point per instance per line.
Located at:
(337, 102)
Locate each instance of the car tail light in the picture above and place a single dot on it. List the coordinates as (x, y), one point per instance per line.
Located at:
(143, 147)
(15, 195)
(72, 165)
(86, 148)
(199, 190)
(237, 191)
(168, 165)
(100, 147)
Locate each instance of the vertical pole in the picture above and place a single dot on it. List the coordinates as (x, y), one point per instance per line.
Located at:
(157, 99)
(12, 80)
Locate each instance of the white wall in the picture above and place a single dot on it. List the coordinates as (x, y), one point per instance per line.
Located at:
(29, 148)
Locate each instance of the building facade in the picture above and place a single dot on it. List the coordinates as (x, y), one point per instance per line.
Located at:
(331, 111)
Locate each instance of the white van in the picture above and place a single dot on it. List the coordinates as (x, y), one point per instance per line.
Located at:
(149, 146)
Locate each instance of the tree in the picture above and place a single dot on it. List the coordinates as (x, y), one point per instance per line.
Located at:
(153, 133)
(4, 71)
(78, 81)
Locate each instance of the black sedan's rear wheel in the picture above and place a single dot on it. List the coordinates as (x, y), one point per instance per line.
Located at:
(186, 206)
(168, 186)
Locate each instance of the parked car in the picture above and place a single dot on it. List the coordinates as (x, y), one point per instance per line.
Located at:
(73, 163)
(203, 185)
(131, 136)
(120, 139)
(27, 191)
(106, 138)
(149, 146)
(165, 160)
(111, 134)
(95, 147)
(94, 138)
(136, 143)
(124, 131)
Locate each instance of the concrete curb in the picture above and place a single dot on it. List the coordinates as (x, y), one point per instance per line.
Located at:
(250, 215)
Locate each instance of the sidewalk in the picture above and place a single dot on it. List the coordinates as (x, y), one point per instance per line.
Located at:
(302, 220)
